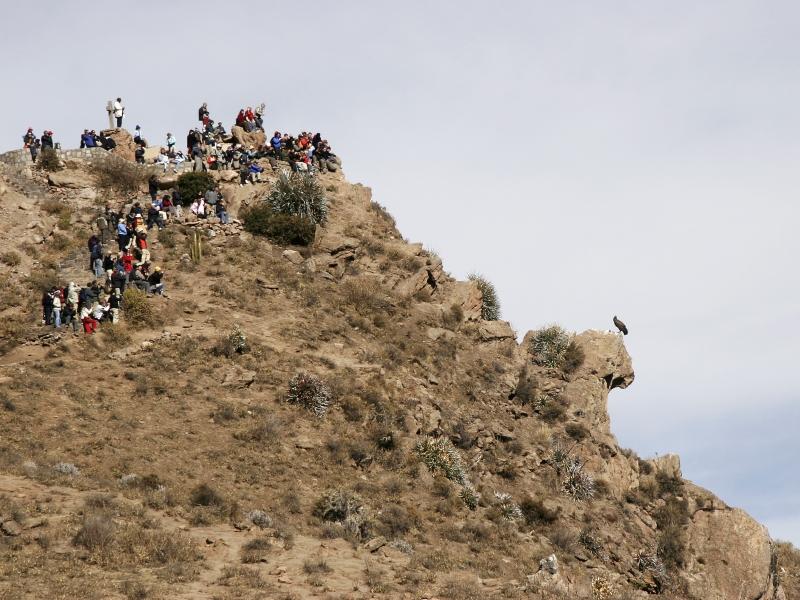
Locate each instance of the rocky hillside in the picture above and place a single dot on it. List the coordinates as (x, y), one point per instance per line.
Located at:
(330, 421)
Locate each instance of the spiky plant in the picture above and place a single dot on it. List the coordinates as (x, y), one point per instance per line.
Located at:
(507, 507)
(549, 346)
(439, 454)
(469, 496)
(310, 392)
(299, 194)
(490, 302)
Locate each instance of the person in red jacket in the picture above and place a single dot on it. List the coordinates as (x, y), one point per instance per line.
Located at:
(127, 262)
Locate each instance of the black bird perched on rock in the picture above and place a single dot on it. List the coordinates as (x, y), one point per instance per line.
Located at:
(620, 325)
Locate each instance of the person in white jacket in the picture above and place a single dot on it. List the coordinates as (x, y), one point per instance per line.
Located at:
(119, 111)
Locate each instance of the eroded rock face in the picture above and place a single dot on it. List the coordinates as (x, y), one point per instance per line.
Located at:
(253, 139)
(126, 147)
(736, 555)
(607, 365)
(69, 179)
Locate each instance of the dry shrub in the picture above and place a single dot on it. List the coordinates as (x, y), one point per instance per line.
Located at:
(138, 311)
(205, 495)
(462, 589)
(96, 533)
(241, 577)
(11, 258)
(376, 578)
(312, 566)
(256, 550)
(365, 295)
(120, 175)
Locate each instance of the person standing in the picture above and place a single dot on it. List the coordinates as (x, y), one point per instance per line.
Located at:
(56, 294)
(171, 141)
(138, 137)
(47, 139)
(119, 111)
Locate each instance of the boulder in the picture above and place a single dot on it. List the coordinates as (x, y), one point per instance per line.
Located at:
(492, 331)
(730, 556)
(375, 544)
(467, 295)
(253, 139)
(167, 181)
(333, 244)
(293, 256)
(126, 147)
(69, 179)
(425, 281)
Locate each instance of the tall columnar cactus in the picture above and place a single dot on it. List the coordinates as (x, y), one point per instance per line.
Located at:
(196, 246)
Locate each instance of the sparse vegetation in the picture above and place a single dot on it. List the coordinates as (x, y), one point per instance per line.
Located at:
(300, 195)
(118, 175)
(48, 160)
(310, 392)
(549, 346)
(440, 456)
(10, 258)
(346, 510)
(235, 342)
(490, 306)
(138, 311)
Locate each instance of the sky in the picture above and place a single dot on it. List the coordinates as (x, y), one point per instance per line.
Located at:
(590, 159)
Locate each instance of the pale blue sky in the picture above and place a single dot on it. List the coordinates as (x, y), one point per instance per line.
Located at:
(637, 158)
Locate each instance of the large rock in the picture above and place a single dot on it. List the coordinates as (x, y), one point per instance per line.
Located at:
(730, 557)
(425, 281)
(69, 179)
(126, 147)
(254, 139)
(467, 296)
(493, 331)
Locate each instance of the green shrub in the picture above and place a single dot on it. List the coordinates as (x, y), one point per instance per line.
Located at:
(438, 454)
(490, 306)
(48, 160)
(549, 346)
(280, 228)
(190, 185)
(298, 194)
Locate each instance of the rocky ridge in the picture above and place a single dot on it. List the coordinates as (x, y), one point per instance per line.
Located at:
(407, 358)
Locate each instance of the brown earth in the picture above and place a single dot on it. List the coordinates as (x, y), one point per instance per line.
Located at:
(175, 439)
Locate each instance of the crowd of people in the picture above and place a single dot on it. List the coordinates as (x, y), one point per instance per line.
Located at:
(101, 299)
(208, 147)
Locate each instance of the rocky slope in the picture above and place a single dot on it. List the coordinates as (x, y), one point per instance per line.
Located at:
(154, 461)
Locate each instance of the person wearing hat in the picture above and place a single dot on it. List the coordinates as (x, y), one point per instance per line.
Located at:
(156, 281)
(28, 138)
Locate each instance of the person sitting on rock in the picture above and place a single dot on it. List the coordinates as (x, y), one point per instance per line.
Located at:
(118, 279)
(90, 324)
(106, 143)
(241, 119)
(198, 207)
(138, 280)
(255, 171)
(101, 311)
(222, 212)
(85, 139)
(156, 281)
(178, 160)
(163, 160)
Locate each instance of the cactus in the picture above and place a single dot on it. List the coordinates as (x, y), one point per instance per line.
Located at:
(196, 246)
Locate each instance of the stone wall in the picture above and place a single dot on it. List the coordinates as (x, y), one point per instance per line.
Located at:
(22, 158)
